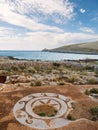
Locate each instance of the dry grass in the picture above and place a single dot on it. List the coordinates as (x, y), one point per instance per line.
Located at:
(45, 110)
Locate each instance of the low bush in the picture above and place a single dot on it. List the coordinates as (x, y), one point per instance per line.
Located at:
(91, 91)
(94, 90)
(56, 64)
(61, 83)
(32, 84)
(94, 118)
(31, 70)
(72, 79)
(92, 81)
(87, 92)
(94, 111)
(37, 83)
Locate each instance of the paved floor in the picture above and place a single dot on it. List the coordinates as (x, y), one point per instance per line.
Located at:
(23, 110)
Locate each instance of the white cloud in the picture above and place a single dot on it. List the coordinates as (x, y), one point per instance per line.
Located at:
(46, 7)
(5, 32)
(82, 10)
(94, 19)
(8, 15)
(40, 40)
(87, 29)
(27, 14)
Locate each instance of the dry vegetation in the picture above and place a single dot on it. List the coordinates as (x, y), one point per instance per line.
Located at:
(45, 110)
(37, 73)
(26, 77)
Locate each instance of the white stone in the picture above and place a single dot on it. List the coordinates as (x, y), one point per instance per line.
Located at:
(23, 110)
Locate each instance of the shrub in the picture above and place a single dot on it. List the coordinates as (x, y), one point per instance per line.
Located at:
(22, 68)
(31, 70)
(87, 92)
(94, 90)
(56, 64)
(91, 68)
(72, 79)
(94, 118)
(38, 83)
(94, 111)
(61, 83)
(15, 68)
(31, 84)
(92, 81)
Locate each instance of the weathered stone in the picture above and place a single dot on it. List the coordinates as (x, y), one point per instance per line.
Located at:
(2, 79)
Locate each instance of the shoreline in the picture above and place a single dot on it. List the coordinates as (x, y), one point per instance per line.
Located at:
(17, 59)
(72, 52)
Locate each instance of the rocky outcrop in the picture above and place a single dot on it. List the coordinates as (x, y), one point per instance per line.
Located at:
(2, 79)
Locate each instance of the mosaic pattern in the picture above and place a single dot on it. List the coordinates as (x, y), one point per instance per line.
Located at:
(23, 110)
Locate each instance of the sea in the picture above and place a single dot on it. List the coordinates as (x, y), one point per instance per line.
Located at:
(47, 56)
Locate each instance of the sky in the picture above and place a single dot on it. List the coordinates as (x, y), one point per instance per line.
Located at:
(39, 24)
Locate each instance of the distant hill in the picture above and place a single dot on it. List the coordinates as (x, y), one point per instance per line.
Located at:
(91, 47)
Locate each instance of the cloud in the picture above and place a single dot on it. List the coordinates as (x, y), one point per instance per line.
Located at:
(87, 29)
(94, 19)
(30, 14)
(37, 33)
(8, 15)
(5, 32)
(40, 40)
(57, 8)
(82, 10)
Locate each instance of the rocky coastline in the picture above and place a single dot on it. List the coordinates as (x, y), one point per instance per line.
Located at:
(73, 52)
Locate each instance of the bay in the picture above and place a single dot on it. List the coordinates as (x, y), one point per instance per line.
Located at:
(47, 56)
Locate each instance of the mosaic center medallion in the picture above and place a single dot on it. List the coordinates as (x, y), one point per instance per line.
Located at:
(43, 110)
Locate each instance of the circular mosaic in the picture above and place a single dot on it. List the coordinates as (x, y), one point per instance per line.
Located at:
(43, 110)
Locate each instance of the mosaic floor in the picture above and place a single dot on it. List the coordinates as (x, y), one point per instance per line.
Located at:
(23, 110)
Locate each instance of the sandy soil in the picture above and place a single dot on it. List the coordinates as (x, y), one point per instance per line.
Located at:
(83, 104)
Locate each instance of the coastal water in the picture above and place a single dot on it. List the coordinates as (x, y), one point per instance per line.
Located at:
(50, 56)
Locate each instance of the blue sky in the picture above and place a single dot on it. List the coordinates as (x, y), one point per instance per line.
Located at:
(38, 24)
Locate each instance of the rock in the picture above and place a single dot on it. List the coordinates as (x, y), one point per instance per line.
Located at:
(2, 79)
(94, 95)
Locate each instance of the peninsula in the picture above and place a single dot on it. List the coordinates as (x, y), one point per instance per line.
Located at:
(85, 48)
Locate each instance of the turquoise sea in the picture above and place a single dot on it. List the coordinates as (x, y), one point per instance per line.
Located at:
(47, 56)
